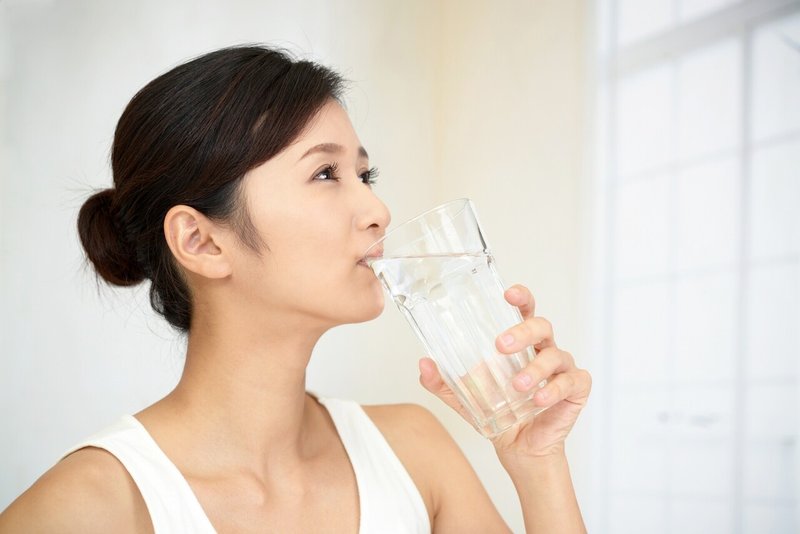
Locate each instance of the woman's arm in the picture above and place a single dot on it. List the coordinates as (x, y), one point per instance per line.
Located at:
(532, 451)
(89, 491)
(546, 494)
(456, 500)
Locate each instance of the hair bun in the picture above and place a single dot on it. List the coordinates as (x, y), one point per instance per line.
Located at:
(113, 258)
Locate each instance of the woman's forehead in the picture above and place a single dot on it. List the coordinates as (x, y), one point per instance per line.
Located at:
(330, 126)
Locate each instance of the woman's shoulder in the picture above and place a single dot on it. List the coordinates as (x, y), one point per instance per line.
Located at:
(417, 438)
(88, 491)
(408, 422)
(416, 435)
(446, 480)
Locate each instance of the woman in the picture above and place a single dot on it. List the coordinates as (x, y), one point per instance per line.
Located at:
(243, 194)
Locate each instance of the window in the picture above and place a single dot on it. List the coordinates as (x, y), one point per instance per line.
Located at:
(699, 151)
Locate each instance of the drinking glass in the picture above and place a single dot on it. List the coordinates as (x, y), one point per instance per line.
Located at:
(440, 272)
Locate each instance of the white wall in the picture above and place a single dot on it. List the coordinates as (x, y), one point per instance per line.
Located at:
(450, 98)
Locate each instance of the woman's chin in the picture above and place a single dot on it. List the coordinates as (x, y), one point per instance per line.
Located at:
(371, 309)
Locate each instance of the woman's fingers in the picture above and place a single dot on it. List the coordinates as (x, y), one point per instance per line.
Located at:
(572, 386)
(429, 376)
(564, 380)
(521, 297)
(534, 331)
(431, 379)
(548, 362)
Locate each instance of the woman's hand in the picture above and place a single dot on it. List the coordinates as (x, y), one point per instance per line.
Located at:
(564, 396)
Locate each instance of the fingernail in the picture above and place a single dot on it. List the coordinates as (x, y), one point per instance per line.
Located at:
(514, 292)
(507, 339)
(524, 380)
(542, 394)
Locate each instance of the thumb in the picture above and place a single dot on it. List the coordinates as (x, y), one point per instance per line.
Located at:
(429, 376)
(431, 379)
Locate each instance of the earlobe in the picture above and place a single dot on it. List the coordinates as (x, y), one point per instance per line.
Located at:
(191, 238)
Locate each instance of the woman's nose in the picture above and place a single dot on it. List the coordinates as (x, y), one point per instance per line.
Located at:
(374, 213)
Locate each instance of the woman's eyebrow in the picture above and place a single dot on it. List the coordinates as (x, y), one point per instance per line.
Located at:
(332, 148)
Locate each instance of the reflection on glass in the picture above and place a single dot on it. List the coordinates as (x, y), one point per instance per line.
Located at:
(776, 79)
(642, 227)
(772, 339)
(707, 215)
(709, 99)
(639, 19)
(694, 9)
(774, 200)
(644, 120)
(705, 352)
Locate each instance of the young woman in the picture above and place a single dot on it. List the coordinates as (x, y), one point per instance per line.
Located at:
(242, 193)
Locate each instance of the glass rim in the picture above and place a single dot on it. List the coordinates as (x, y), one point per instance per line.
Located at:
(463, 200)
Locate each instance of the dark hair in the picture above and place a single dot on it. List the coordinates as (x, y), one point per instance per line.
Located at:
(188, 137)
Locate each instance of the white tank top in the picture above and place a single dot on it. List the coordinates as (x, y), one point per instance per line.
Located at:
(389, 500)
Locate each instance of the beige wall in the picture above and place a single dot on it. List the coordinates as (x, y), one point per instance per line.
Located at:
(511, 127)
(451, 98)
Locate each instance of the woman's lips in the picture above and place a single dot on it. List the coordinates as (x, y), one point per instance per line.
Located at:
(376, 254)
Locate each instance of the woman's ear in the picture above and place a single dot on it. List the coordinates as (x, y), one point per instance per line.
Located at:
(195, 241)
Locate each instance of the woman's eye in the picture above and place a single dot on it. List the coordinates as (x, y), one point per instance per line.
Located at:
(369, 176)
(327, 174)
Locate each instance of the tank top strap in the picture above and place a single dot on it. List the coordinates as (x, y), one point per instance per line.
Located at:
(389, 499)
(172, 504)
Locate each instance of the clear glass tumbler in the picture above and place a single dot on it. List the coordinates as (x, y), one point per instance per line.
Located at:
(440, 272)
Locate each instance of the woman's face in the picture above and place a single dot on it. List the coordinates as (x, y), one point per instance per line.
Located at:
(317, 216)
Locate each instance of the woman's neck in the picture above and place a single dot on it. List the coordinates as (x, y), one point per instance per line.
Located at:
(243, 394)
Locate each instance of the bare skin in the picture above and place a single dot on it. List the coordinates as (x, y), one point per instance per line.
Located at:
(258, 451)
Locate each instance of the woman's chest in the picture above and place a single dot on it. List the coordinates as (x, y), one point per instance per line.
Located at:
(328, 501)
